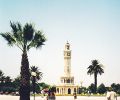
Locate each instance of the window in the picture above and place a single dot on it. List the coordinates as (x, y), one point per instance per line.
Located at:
(68, 47)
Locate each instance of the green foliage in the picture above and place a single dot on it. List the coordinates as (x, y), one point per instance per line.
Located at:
(25, 36)
(101, 89)
(44, 85)
(16, 83)
(91, 88)
(7, 85)
(116, 87)
(53, 89)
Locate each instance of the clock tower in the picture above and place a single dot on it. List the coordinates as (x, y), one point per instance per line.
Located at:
(67, 85)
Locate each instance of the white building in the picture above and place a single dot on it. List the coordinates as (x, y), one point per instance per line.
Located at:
(67, 85)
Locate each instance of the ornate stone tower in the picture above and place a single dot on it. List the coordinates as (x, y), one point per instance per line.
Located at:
(67, 85)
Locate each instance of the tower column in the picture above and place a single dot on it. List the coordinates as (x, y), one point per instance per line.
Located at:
(67, 60)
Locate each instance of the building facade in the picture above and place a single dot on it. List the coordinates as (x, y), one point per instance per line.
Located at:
(67, 85)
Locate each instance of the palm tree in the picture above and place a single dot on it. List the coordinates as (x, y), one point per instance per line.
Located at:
(95, 69)
(38, 73)
(36, 77)
(24, 38)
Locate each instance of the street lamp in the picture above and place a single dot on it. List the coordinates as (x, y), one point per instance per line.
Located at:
(81, 82)
(33, 82)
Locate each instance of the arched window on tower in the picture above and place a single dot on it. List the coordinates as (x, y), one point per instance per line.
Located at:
(68, 47)
(68, 81)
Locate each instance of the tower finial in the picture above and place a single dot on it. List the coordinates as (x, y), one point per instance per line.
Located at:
(67, 42)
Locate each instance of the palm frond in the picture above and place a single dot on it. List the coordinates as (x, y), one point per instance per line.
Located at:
(99, 69)
(37, 41)
(28, 31)
(1, 73)
(19, 26)
(90, 70)
(40, 37)
(17, 32)
(9, 38)
(94, 62)
(39, 75)
(15, 28)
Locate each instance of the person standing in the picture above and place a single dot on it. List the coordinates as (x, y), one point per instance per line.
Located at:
(111, 95)
(51, 96)
(108, 95)
(75, 95)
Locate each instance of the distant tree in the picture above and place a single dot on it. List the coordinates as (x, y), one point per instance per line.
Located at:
(24, 38)
(95, 69)
(115, 87)
(2, 77)
(16, 83)
(91, 88)
(82, 90)
(7, 82)
(101, 89)
(118, 89)
(44, 85)
(1, 73)
(8, 79)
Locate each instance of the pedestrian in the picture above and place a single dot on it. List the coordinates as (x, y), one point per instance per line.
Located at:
(111, 95)
(75, 95)
(88, 92)
(108, 94)
(51, 96)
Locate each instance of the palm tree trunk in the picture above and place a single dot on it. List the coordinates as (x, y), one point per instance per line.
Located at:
(95, 77)
(25, 78)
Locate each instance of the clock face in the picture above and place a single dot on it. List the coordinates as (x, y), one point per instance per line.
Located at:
(68, 54)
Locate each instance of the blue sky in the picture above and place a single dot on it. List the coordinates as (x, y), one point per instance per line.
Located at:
(92, 27)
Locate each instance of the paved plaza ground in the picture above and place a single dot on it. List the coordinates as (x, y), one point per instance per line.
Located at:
(8, 97)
